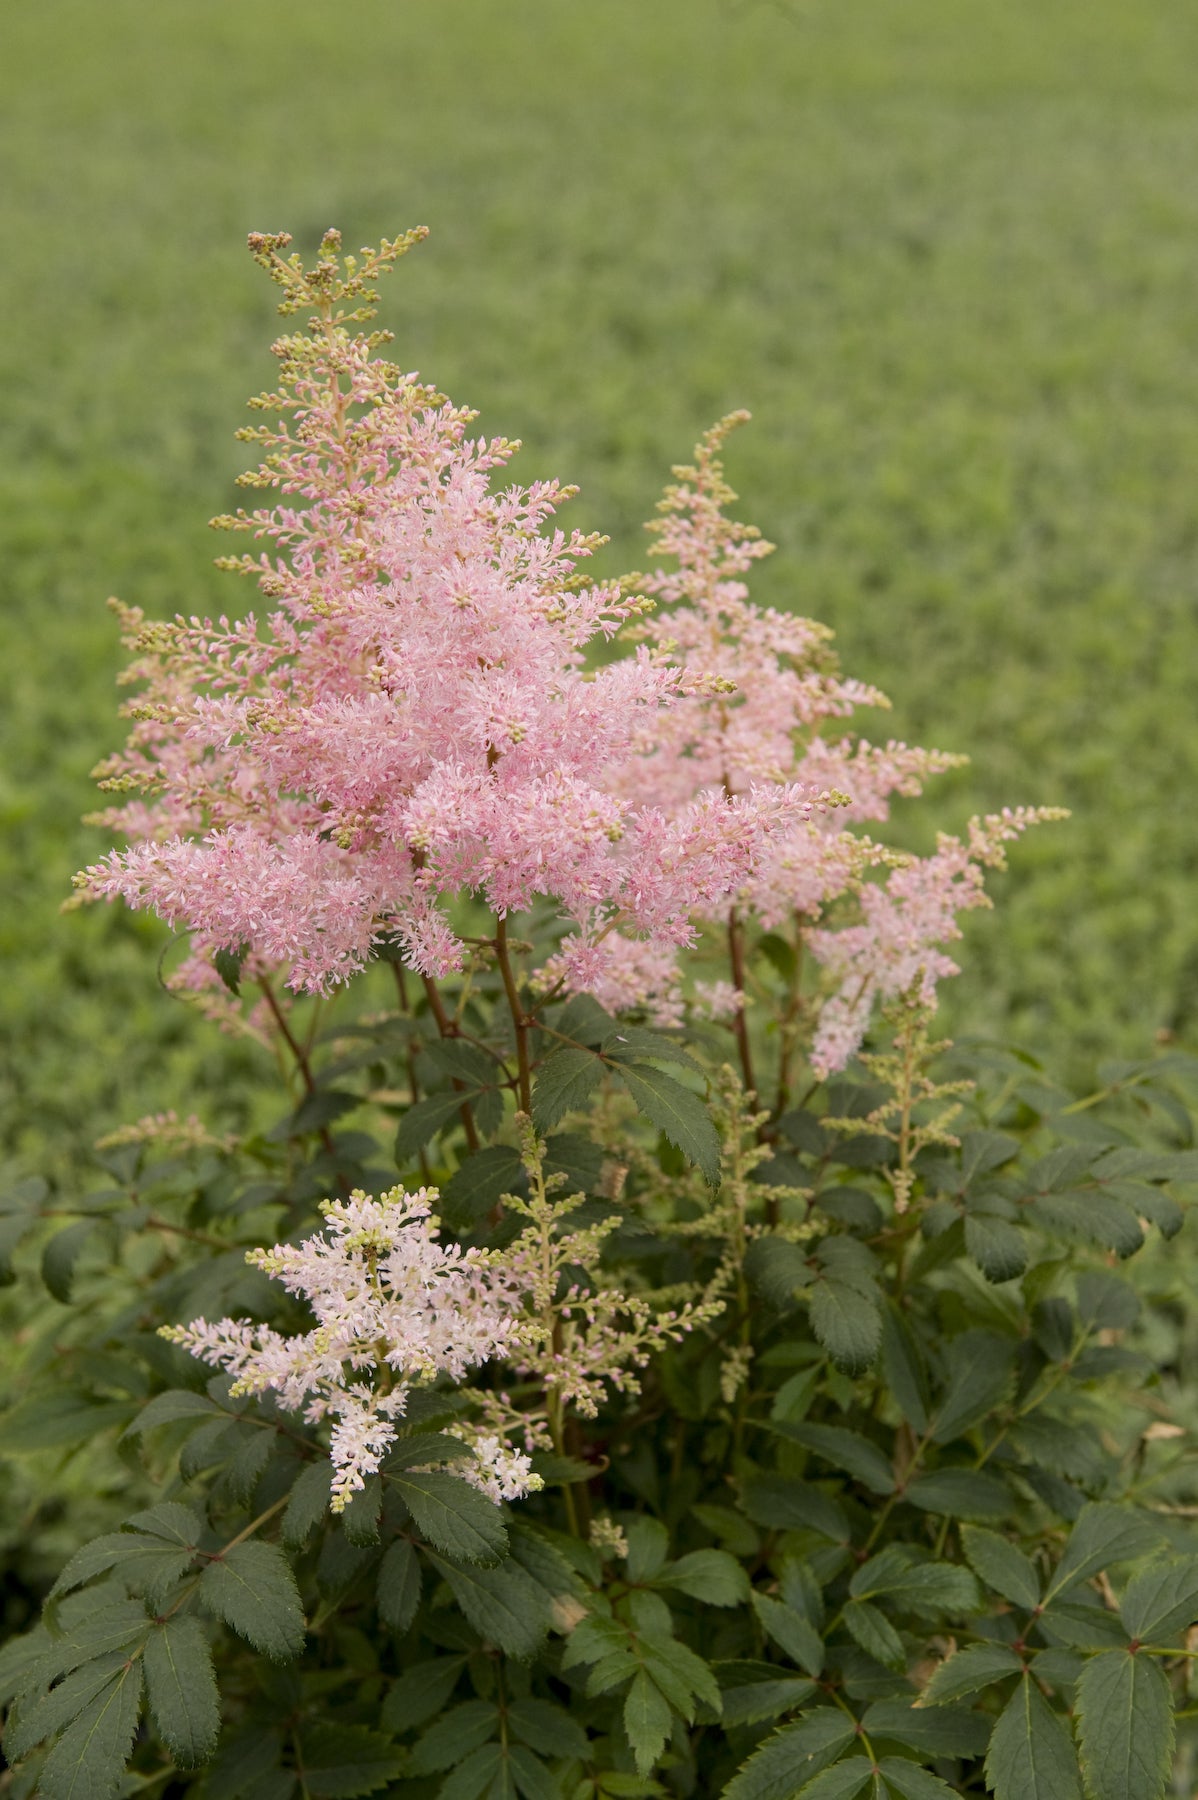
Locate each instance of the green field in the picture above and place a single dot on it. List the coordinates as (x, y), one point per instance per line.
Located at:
(947, 254)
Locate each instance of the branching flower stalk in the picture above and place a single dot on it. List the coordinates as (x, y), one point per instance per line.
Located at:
(903, 1072)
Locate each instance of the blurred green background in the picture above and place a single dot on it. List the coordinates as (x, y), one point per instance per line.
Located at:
(947, 254)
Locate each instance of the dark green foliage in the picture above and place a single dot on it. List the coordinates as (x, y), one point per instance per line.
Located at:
(943, 1485)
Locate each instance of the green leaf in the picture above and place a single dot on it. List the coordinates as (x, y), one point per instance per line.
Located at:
(14, 1227)
(927, 1588)
(794, 1398)
(135, 1556)
(1104, 1534)
(546, 1728)
(1059, 1668)
(933, 1731)
(982, 1151)
(793, 1756)
(647, 1719)
(903, 1368)
(253, 1590)
(1082, 1626)
(315, 1111)
(980, 1365)
(777, 1270)
(341, 1761)
(577, 1158)
(784, 1504)
(709, 1575)
(1052, 1445)
(420, 1692)
(176, 1403)
(875, 1634)
(481, 1773)
(308, 1504)
(1090, 1216)
(477, 1186)
(57, 1421)
(1105, 1302)
(90, 1626)
(453, 1516)
(563, 1084)
(961, 1494)
(677, 1112)
(627, 1043)
(999, 1248)
(791, 1632)
(455, 1735)
(648, 1546)
(911, 1782)
(847, 1323)
(1031, 1755)
(1161, 1601)
(1001, 1566)
(399, 1585)
(62, 1253)
(583, 1019)
(845, 1450)
(551, 1563)
(465, 1062)
(181, 1688)
(843, 1781)
(423, 1120)
(227, 964)
(171, 1521)
(424, 1446)
(754, 1692)
(970, 1670)
(1125, 1726)
(360, 1519)
(679, 1673)
(88, 1761)
(504, 1604)
(35, 1721)
(532, 1778)
(1153, 1204)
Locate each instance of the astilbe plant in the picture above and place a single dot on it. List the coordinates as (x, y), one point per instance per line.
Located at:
(738, 1393)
